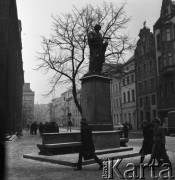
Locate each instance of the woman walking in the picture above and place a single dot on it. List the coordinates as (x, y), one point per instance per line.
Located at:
(158, 150)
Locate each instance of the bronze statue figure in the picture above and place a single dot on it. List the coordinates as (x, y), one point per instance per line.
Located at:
(97, 50)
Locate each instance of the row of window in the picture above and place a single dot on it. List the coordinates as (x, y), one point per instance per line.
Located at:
(146, 84)
(119, 118)
(148, 66)
(166, 60)
(116, 103)
(145, 101)
(167, 34)
(125, 81)
(146, 115)
(128, 80)
(167, 89)
(116, 87)
(129, 96)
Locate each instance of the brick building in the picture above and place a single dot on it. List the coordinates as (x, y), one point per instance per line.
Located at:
(164, 33)
(11, 67)
(145, 65)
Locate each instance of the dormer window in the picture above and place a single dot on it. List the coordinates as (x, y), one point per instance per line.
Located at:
(168, 37)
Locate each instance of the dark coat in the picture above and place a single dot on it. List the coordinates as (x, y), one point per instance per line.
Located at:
(147, 141)
(159, 150)
(86, 140)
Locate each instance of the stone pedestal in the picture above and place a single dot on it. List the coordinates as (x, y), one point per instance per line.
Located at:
(96, 105)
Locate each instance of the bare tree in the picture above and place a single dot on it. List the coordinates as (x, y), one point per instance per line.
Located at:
(66, 51)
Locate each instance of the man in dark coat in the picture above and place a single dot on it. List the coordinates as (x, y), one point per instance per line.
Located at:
(147, 140)
(87, 149)
(35, 127)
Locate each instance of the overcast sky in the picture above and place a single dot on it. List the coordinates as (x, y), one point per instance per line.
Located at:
(35, 16)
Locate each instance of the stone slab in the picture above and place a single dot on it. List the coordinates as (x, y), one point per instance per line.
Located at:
(71, 159)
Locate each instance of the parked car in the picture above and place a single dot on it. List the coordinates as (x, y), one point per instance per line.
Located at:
(118, 126)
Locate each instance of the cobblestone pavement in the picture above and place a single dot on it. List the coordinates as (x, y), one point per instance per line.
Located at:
(19, 168)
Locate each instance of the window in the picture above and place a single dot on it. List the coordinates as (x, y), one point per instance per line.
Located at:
(174, 31)
(170, 62)
(132, 78)
(152, 82)
(145, 84)
(113, 104)
(120, 101)
(141, 102)
(139, 71)
(153, 97)
(128, 96)
(119, 86)
(113, 88)
(141, 115)
(128, 79)
(123, 81)
(124, 97)
(150, 65)
(172, 88)
(116, 102)
(144, 68)
(161, 91)
(160, 63)
(166, 90)
(133, 95)
(164, 60)
(158, 41)
(168, 35)
(116, 87)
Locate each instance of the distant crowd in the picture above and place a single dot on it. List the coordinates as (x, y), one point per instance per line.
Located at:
(48, 127)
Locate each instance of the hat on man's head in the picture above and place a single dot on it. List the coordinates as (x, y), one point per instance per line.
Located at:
(83, 121)
(156, 120)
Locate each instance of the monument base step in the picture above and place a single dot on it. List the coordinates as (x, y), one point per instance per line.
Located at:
(71, 159)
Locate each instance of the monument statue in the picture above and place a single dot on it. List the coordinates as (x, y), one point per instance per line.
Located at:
(97, 47)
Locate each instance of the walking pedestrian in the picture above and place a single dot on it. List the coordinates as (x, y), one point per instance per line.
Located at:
(35, 127)
(19, 130)
(41, 128)
(158, 149)
(125, 130)
(87, 150)
(147, 144)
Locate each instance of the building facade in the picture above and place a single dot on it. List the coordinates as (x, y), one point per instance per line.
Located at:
(116, 98)
(11, 67)
(28, 105)
(145, 65)
(164, 33)
(63, 109)
(128, 92)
